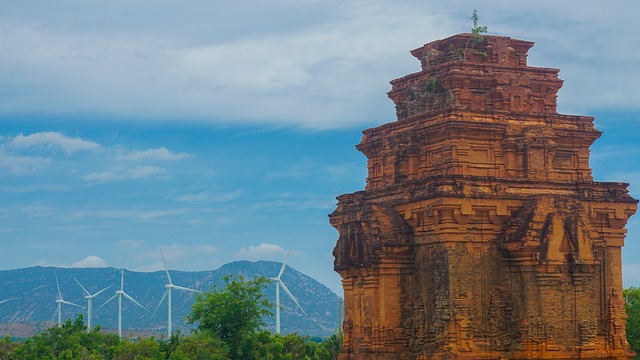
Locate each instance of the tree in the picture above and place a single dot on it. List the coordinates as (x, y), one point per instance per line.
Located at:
(233, 314)
(6, 348)
(283, 347)
(476, 38)
(71, 341)
(229, 327)
(330, 348)
(199, 347)
(632, 307)
(148, 349)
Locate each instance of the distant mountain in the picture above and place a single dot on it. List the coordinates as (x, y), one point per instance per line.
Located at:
(34, 292)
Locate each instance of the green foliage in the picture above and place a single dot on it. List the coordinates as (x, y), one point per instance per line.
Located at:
(475, 39)
(171, 346)
(477, 29)
(229, 325)
(282, 347)
(330, 348)
(6, 348)
(632, 307)
(432, 84)
(71, 341)
(142, 349)
(234, 314)
(199, 347)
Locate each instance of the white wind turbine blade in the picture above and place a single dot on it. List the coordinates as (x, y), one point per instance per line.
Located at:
(70, 303)
(184, 288)
(88, 294)
(83, 289)
(58, 285)
(5, 300)
(165, 267)
(161, 300)
(89, 298)
(61, 301)
(58, 301)
(106, 302)
(167, 294)
(292, 297)
(278, 284)
(284, 264)
(98, 293)
(134, 301)
(55, 314)
(122, 276)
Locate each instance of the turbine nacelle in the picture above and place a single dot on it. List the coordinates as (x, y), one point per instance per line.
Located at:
(119, 294)
(60, 301)
(280, 284)
(167, 295)
(89, 298)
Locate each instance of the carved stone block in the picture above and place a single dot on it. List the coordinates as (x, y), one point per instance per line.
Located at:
(481, 233)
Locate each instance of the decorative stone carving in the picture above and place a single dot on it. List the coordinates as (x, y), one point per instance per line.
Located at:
(481, 233)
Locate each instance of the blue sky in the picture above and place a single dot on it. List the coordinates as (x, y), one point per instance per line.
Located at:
(224, 130)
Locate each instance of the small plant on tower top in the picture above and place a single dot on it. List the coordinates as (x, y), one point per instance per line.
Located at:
(475, 39)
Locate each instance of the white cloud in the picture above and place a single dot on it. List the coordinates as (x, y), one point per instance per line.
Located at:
(206, 249)
(182, 252)
(42, 211)
(177, 256)
(53, 140)
(211, 196)
(40, 263)
(302, 169)
(137, 172)
(90, 261)
(129, 244)
(263, 251)
(22, 165)
(306, 168)
(299, 202)
(160, 154)
(102, 176)
(323, 72)
(139, 214)
(149, 215)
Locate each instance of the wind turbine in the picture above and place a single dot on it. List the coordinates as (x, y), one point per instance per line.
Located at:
(279, 284)
(119, 294)
(61, 301)
(5, 300)
(167, 294)
(89, 298)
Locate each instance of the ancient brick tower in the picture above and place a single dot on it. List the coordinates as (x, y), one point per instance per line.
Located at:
(481, 233)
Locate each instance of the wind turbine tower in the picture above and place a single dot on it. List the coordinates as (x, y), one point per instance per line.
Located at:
(279, 284)
(119, 294)
(167, 294)
(89, 298)
(61, 301)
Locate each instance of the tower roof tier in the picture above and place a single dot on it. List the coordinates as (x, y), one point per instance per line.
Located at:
(488, 74)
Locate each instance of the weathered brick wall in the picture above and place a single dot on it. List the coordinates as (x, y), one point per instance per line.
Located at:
(481, 233)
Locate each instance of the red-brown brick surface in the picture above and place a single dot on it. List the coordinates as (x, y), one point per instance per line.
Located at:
(481, 233)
